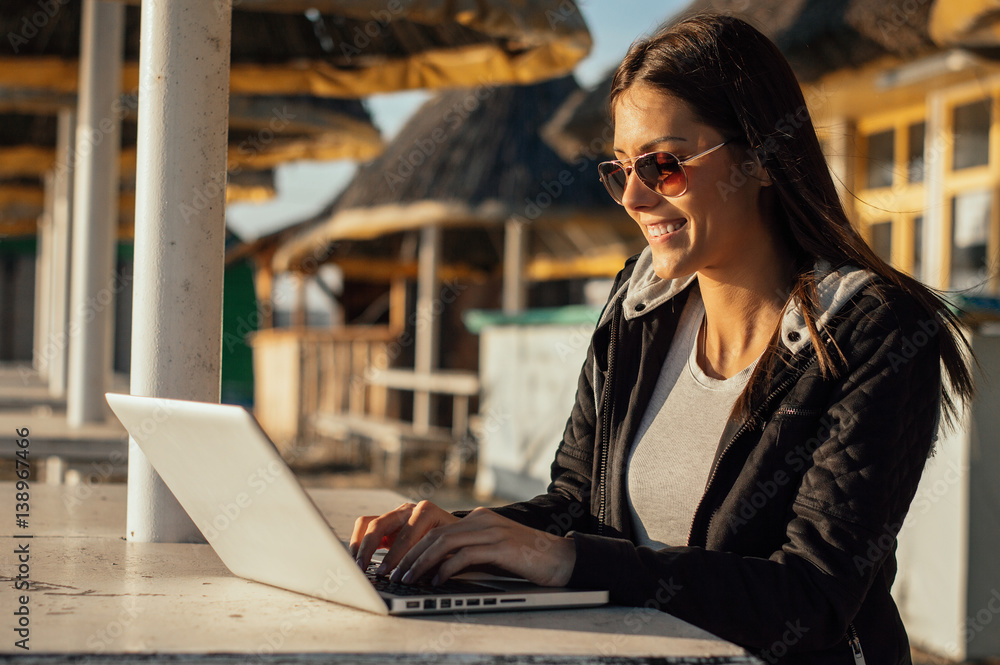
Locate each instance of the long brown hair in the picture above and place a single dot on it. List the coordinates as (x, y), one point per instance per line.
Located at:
(738, 82)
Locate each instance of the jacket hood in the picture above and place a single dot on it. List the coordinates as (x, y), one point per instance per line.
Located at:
(645, 291)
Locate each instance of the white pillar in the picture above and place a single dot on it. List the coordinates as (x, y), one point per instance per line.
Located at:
(179, 231)
(95, 208)
(57, 345)
(514, 295)
(428, 320)
(43, 282)
(936, 158)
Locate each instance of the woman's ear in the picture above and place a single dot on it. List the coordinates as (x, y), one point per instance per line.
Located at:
(765, 180)
(754, 167)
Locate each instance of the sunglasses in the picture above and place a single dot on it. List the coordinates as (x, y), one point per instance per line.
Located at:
(662, 172)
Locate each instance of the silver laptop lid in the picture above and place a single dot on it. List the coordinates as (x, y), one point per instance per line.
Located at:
(227, 475)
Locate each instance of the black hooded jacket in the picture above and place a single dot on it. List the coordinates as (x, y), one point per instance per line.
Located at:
(792, 548)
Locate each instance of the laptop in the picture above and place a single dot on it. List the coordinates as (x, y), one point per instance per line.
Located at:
(229, 477)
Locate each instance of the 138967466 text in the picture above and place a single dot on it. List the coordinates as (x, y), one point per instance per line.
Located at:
(22, 542)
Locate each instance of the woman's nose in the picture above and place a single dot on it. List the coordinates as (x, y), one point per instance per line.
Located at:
(637, 194)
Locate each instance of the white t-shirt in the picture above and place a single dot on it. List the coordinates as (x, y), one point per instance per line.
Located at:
(678, 435)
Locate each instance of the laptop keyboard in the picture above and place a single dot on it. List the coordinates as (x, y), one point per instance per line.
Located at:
(422, 587)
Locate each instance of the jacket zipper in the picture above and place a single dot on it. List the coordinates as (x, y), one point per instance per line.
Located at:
(606, 424)
(729, 445)
(859, 656)
(794, 411)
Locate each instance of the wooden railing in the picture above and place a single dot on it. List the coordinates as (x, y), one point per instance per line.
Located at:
(399, 436)
(299, 372)
(331, 395)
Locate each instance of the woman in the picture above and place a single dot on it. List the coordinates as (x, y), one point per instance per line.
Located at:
(760, 394)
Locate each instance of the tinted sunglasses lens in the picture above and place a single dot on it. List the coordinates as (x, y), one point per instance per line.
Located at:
(662, 173)
(614, 178)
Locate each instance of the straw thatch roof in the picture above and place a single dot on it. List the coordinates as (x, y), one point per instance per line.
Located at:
(285, 127)
(817, 36)
(364, 49)
(38, 73)
(285, 56)
(27, 152)
(22, 201)
(474, 159)
(581, 126)
(529, 22)
(28, 144)
(481, 151)
(971, 24)
(264, 130)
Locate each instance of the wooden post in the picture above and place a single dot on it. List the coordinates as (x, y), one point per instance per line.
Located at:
(299, 318)
(428, 321)
(397, 304)
(514, 248)
(264, 286)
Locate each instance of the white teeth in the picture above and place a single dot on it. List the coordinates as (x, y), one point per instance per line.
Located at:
(658, 230)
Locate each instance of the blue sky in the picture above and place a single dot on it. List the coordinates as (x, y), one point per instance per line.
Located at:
(305, 187)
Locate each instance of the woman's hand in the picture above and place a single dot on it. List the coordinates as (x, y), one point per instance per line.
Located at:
(425, 538)
(484, 539)
(397, 530)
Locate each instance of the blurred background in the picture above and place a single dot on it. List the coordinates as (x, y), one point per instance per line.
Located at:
(418, 248)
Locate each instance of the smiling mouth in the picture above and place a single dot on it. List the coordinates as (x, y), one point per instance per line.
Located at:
(657, 230)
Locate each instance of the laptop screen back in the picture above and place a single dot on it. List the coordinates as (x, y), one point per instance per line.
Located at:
(227, 475)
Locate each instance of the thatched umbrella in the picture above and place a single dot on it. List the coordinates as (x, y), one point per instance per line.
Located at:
(39, 71)
(296, 53)
(300, 51)
(581, 126)
(334, 49)
(817, 37)
(973, 25)
(264, 132)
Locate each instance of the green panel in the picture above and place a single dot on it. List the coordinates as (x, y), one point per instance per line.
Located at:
(126, 251)
(19, 245)
(239, 318)
(477, 319)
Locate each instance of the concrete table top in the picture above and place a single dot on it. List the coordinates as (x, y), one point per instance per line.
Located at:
(92, 592)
